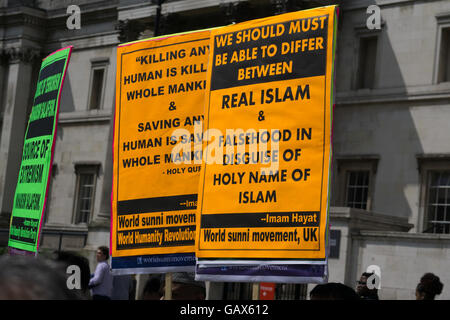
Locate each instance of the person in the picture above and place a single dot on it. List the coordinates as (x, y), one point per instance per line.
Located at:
(101, 283)
(184, 287)
(333, 291)
(428, 287)
(363, 291)
(121, 287)
(31, 278)
(152, 289)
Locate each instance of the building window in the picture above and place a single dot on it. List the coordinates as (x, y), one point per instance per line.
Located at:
(356, 176)
(357, 189)
(85, 192)
(438, 202)
(97, 83)
(444, 56)
(367, 62)
(434, 213)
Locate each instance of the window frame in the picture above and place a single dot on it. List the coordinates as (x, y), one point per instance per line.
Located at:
(348, 187)
(443, 23)
(362, 32)
(360, 79)
(351, 164)
(97, 64)
(84, 168)
(426, 165)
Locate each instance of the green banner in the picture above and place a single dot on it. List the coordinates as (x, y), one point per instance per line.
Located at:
(37, 155)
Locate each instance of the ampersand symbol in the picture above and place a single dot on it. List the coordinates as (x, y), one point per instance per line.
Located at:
(172, 106)
(261, 116)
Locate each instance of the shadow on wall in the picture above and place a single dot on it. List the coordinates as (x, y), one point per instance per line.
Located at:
(105, 206)
(372, 115)
(67, 103)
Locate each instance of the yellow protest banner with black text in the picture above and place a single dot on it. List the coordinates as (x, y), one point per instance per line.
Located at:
(160, 88)
(264, 182)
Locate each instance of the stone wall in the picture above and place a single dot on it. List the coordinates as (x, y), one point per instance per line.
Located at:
(403, 259)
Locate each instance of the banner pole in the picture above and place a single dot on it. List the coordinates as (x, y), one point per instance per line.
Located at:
(255, 291)
(168, 287)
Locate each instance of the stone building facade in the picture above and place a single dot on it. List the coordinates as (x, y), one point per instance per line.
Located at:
(391, 157)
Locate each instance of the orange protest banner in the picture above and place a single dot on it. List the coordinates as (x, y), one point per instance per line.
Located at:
(160, 87)
(268, 111)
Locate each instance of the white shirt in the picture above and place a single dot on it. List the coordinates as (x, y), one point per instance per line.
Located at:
(102, 280)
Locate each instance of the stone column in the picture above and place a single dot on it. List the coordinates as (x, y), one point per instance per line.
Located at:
(16, 101)
(141, 280)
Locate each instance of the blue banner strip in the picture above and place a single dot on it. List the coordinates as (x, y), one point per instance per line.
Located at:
(154, 261)
(286, 270)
